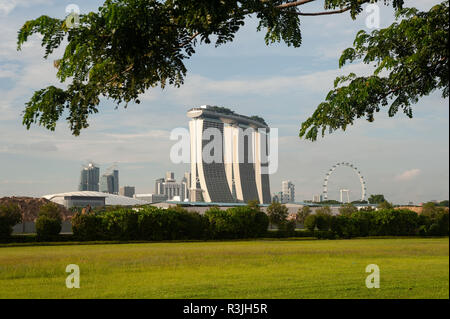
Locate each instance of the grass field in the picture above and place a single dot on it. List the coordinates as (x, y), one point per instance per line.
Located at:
(409, 268)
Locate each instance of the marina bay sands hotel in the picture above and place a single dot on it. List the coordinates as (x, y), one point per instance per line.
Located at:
(239, 169)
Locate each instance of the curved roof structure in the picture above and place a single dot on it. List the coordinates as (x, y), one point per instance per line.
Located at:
(227, 116)
(110, 199)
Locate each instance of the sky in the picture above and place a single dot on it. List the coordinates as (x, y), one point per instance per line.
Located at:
(404, 159)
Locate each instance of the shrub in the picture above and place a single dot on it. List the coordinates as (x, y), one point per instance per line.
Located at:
(237, 222)
(344, 226)
(171, 224)
(440, 225)
(347, 209)
(323, 221)
(10, 215)
(324, 234)
(87, 227)
(277, 213)
(248, 222)
(394, 222)
(303, 213)
(121, 224)
(48, 223)
(47, 228)
(310, 222)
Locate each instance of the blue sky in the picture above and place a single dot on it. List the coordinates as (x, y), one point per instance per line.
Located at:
(405, 159)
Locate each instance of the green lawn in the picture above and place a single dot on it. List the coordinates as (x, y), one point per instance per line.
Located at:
(409, 268)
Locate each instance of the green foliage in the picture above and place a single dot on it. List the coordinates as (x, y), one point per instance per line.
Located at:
(48, 223)
(330, 202)
(388, 222)
(435, 220)
(253, 204)
(130, 46)
(47, 229)
(237, 222)
(121, 224)
(395, 222)
(323, 221)
(385, 205)
(277, 213)
(443, 203)
(10, 215)
(258, 119)
(303, 213)
(87, 227)
(376, 199)
(347, 209)
(50, 210)
(411, 61)
(310, 222)
(355, 202)
(344, 226)
(174, 223)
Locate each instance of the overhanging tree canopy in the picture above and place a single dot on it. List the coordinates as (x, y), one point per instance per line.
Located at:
(130, 46)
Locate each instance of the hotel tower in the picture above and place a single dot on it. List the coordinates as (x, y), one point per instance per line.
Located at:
(239, 171)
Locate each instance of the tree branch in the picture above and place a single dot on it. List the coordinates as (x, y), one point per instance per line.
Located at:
(293, 4)
(323, 13)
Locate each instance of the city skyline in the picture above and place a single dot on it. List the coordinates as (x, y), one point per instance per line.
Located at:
(404, 159)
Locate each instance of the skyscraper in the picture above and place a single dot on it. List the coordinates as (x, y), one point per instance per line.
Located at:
(159, 186)
(237, 173)
(288, 190)
(186, 181)
(109, 182)
(168, 186)
(89, 178)
(127, 191)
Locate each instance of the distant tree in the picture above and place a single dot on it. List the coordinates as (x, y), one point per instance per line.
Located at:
(323, 218)
(376, 199)
(385, 205)
(48, 223)
(430, 209)
(326, 210)
(254, 204)
(444, 203)
(330, 202)
(310, 222)
(302, 214)
(10, 215)
(356, 202)
(277, 213)
(367, 209)
(347, 209)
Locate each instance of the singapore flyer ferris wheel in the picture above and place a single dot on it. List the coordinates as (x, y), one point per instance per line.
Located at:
(333, 168)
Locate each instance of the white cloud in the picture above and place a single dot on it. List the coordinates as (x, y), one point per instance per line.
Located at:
(408, 175)
(198, 89)
(7, 6)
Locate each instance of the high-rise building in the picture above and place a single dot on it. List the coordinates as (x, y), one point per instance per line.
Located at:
(109, 182)
(317, 198)
(159, 186)
(170, 177)
(170, 188)
(127, 191)
(288, 190)
(187, 185)
(89, 178)
(237, 173)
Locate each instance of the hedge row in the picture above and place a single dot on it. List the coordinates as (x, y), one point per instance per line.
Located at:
(385, 222)
(154, 224)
